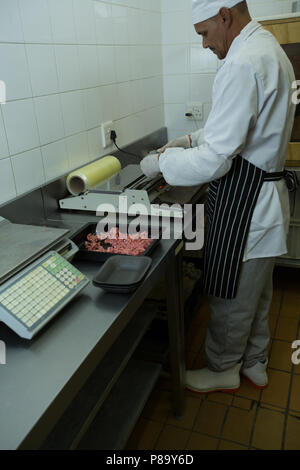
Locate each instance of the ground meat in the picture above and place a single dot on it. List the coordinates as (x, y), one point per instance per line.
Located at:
(118, 243)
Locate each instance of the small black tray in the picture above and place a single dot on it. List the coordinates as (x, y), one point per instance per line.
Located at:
(122, 274)
(80, 237)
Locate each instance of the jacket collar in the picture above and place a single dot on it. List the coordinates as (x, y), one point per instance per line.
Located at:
(249, 29)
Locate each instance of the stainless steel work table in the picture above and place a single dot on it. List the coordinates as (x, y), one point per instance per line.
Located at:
(42, 376)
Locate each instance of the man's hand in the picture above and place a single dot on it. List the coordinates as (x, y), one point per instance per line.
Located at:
(150, 166)
(183, 142)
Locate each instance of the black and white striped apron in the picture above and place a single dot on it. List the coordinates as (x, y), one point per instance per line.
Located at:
(229, 209)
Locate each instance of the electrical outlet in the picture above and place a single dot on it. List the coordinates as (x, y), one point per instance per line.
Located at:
(196, 109)
(106, 129)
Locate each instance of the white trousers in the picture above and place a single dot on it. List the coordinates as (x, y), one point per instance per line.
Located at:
(239, 329)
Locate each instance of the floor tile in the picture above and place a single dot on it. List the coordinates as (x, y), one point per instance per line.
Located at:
(274, 307)
(248, 391)
(277, 391)
(292, 440)
(272, 324)
(172, 438)
(281, 356)
(220, 397)
(144, 435)
(238, 425)
(226, 445)
(268, 430)
(287, 329)
(158, 406)
(290, 305)
(191, 410)
(295, 394)
(243, 403)
(210, 418)
(200, 442)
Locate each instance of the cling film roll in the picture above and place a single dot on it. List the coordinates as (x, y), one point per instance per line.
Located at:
(92, 175)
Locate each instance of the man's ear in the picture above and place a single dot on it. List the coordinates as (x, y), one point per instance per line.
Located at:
(226, 16)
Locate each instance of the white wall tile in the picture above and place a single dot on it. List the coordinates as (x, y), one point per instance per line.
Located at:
(3, 140)
(42, 69)
(104, 23)
(73, 112)
(89, 67)
(14, 71)
(67, 67)
(21, 127)
(84, 62)
(122, 63)
(85, 24)
(107, 65)
(120, 24)
(92, 107)
(78, 150)
(28, 170)
(176, 88)
(95, 145)
(62, 21)
(55, 158)
(10, 22)
(174, 28)
(175, 59)
(49, 118)
(35, 20)
(109, 104)
(138, 95)
(7, 182)
(125, 99)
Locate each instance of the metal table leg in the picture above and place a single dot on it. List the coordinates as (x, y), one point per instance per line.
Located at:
(175, 307)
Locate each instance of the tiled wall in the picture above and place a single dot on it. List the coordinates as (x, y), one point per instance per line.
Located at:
(70, 65)
(189, 70)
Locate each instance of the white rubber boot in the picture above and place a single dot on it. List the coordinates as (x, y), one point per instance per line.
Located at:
(257, 375)
(207, 381)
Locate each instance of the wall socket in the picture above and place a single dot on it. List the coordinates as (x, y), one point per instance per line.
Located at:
(106, 129)
(197, 110)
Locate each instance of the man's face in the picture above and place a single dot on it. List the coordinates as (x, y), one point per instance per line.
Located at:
(214, 36)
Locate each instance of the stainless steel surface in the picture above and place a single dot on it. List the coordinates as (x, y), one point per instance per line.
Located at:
(41, 378)
(22, 244)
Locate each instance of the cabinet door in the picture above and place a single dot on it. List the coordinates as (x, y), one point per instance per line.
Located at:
(293, 157)
(285, 33)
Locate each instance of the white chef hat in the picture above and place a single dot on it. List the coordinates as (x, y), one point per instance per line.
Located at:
(202, 10)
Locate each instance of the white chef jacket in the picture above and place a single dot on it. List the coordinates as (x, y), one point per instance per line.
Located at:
(252, 115)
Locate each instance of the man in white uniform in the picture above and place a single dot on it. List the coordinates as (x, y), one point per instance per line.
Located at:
(241, 152)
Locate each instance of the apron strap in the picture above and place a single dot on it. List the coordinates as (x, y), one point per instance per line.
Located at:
(290, 177)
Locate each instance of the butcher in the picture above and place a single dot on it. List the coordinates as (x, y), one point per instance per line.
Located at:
(241, 152)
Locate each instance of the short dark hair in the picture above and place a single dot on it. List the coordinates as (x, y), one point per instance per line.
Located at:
(242, 7)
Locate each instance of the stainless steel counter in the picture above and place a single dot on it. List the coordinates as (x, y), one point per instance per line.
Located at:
(42, 376)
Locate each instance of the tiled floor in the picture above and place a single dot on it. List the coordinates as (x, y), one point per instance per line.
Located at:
(248, 419)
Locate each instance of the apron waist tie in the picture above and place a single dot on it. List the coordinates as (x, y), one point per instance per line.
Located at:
(290, 177)
(291, 180)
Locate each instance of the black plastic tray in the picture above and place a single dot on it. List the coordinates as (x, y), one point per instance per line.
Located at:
(80, 237)
(122, 274)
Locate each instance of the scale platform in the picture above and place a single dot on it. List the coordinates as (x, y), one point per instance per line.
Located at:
(22, 244)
